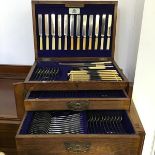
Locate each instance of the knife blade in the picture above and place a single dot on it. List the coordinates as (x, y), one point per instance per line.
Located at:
(96, 31)
(103, 31)
(90, 31)
(65, 30)
(40, 31)
(78, 21)
(53, 30)
(109, 31)
(84, 33)
(47, 30)
(72, 31)
(59, 32)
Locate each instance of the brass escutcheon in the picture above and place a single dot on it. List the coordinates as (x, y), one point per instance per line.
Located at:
(78, 105)
(77, 147)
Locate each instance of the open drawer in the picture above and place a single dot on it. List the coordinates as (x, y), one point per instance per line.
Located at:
(106, 132)
(77, 100)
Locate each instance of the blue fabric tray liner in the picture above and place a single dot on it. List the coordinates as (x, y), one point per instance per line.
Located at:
(89, 9)
(77, 94)
(63, 69)
(83, 121)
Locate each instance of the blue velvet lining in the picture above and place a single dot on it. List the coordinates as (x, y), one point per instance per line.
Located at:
(77, 94)
(27, 123)
(63, 70)
(84, 121)
(89, 9)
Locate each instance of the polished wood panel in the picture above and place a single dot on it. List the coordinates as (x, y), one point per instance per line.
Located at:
(59, 104)
(8, 129)
(8, 75)
(8, 121)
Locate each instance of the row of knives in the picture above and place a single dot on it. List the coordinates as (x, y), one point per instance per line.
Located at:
(70, 21)
(70, 122)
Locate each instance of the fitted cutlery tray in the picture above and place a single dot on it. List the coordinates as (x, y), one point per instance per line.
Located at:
(69, 122)
(48, 71)
(77, 100)
(87, 132)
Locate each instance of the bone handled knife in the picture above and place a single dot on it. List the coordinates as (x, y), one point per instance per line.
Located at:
(84, 33)
(103, 31)
(72, 31)
(59, 32)
(40, 31)
(96, 31)
(109, 31)
(90, 31)
(47, 31)
(65, 30)
(78, 21)
(53, 30)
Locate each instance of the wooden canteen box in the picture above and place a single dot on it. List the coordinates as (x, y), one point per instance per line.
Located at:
(76, 99)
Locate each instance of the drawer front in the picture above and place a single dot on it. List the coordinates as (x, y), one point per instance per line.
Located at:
(76, 104)
(85, 144)
(77, 100)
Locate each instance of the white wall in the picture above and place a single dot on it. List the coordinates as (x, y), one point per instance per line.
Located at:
(128, 32)
(16, 35)
(16, 40)
(144, 87)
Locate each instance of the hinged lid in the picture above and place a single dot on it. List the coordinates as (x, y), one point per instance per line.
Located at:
(74, 28)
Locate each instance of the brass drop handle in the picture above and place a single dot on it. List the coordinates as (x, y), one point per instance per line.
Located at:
(78, 105)
(77, 147)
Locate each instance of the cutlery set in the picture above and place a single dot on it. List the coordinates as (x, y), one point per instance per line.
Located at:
(78, 72)
(85, 122)
(45, 74)
(95, 71)
(105, 123)
(77, 29)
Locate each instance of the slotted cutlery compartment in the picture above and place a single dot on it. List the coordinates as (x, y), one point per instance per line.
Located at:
(70, 122)
(75, 71)
(77, 100)
(87, 132)
(49, 71)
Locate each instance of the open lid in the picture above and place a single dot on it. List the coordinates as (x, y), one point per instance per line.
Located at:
(74, 28)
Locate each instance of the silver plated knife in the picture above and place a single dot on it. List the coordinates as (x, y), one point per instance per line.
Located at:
(65, 30)
(84, 33)
(53, 30)
(78, 21)
(96, 31)
(47, 30)
(103, 31)
(72, 31)
(109, 31)
(40, 31)
(59, 32)
(90, 32)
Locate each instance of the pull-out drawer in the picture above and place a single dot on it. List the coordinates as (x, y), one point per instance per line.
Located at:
(77, 100)
(100, 132)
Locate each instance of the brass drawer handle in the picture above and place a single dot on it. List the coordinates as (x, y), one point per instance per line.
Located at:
(77, 147)
(78, 105)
